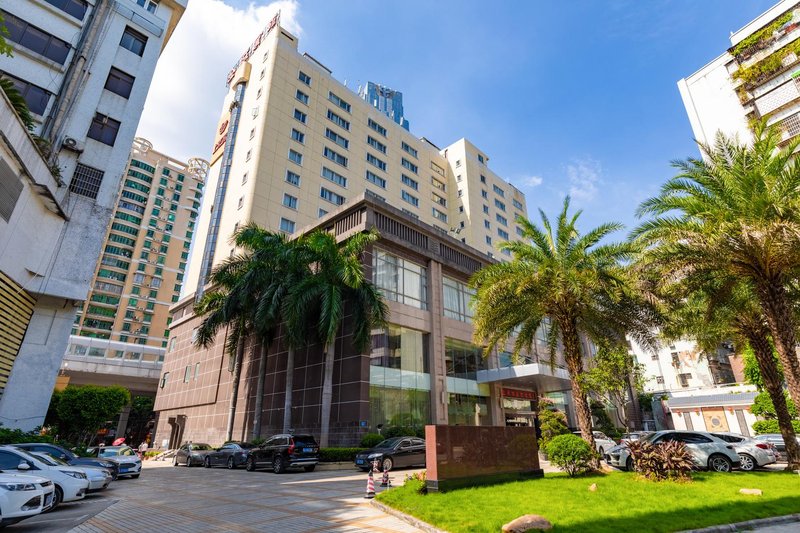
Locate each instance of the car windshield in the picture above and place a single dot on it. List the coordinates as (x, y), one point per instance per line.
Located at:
(649, 438)
(304, 440)
(50, 460)
(201, 447)
(389, 443)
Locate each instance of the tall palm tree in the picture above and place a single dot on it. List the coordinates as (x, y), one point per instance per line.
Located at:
(737, 211)
(337, 280)
(567, 279)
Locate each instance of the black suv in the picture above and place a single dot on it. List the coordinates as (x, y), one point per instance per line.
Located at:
(285, 451)
(68, 456)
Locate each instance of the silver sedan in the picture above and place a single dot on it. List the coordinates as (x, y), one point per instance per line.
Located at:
(752, 453)
(708, 451)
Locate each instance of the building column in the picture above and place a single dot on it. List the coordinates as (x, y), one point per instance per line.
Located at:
(122, 425)
(438, 368)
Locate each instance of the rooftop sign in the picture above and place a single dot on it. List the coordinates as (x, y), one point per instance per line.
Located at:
(250, 51)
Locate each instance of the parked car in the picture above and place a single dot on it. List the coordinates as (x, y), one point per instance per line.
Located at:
(59, 452)
(130, 465)
(99, 478)
(776, 439)
(70, 483)
(230, 454)
(282, 452)
(393, 453)
(192, 453)
(601, 442)
(752, 453)
(23, 496)
(708, 451)
(633, 436)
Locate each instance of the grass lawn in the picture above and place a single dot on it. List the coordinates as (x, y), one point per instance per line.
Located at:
(622, 502)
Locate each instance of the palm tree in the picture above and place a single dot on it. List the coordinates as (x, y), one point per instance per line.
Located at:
(567, 279)
(337, 279)
(737, 212)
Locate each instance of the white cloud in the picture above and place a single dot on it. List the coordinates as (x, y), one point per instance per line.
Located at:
(185, 99)
(584, 177)
(532, 181)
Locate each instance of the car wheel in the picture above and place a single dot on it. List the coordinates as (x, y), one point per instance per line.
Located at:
(309, 468)
(629, 464)
(188, 461)
(250, 465)
(719, 463)
(175, 461)
(277, 464)
(231, 463)
(207, 462)
(387, 463)
(135, 476)
(58, 497)
(748, 462)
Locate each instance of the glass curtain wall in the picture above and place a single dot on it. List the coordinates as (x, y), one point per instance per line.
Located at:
(457, 300)
(400, 280)
(467, 399)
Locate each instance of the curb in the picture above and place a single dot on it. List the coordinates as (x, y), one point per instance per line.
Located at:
(419, 524)
(749, 524)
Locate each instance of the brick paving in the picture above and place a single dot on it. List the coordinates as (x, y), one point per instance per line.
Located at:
(179, 499)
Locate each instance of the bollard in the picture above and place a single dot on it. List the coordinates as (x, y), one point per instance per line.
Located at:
(385, 478)
(370, 486)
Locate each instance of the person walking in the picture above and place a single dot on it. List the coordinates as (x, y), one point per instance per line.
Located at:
(142, 449)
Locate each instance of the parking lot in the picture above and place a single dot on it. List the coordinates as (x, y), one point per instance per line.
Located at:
(180, 499)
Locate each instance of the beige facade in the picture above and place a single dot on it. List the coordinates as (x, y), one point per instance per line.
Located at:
(295, 144)
(142, 266)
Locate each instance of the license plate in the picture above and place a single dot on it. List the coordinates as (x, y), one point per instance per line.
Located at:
(308, 450)
(359, 461)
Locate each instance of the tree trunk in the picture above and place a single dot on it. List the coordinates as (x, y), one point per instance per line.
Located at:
(259, 403)
(237, 371)
(772, 382)
(327, 394)
(781, 324)
(287, 400)
(574, 360)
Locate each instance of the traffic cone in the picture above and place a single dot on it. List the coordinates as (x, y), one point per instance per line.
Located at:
(370, 486)
(385, 478)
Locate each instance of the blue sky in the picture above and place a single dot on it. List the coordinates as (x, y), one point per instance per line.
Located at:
(580, 96)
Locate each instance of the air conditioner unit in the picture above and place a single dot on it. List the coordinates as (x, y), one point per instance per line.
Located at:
(72, 144)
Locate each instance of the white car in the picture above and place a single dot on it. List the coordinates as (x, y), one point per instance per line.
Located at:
(602, 443)
(708, 452)
(70, 483)
(129, 462)
(23, 496)
(98, 478)
(752, 453)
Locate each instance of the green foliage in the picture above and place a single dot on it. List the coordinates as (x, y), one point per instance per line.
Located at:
(338, 455)
(603, 421)
(17, 436)
(664, 461)
(552, 424)
(761, 427)
(17, 102)
(371, 439)
(571, 454)
(83, 409)
(763, 407)
(5, 48)
(151, 453)
(763, 34)
(403, 431)
(752, 374)
(258, 441)
(767, 66)
(610, 375)
(417, 482)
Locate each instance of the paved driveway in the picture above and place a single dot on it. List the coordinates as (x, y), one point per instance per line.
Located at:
(196, 499)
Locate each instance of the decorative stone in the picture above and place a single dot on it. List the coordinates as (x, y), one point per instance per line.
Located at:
(593, 487)
(527, 522)
(751, 492)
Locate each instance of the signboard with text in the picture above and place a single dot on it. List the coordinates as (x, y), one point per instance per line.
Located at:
(520, 394)
(250, 51)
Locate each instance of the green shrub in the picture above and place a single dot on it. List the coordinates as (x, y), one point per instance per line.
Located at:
(258, 441)
(571, 454)
(663, 461)
(551, 423)
(417, 482)
(151, 453)
(403, 431)
(371, 440)
(17, 436)
(336, 455)
(771, 426)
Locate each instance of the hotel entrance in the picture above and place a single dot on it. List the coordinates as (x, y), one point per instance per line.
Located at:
(519, 407)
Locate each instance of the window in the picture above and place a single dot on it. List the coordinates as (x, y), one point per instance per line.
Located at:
(483, 178)
(372, 141)
(332, 176)
(258, 93)
(413, 200)
(460, 193)
(134, 41)
(501, 219)
(287, 226)
(377, 180)
(338, 139)
(443, 202)
(409, 165)
(457, 300)
(86, 181)
(252, 133)
(517, 204)
(321, 213)
(35, 39)
(410, 182)
(436, 168)
(119, 83)
(498, 191)
(499, 205)
(305, 78)
(299, 115)
(486, 209)
(481, 159)
(303, 97)
(484, 194)
(339, 121)
(439, 215)
(338, 101)
(458, 163)
(503, 234)
(408, 149)
(289, 201)
(241, 202)
(488, 240)
(36, 97)
(187, 374)
(149, 5)
(519, 230)
(331, 196)
(296, 157)
(292, 178)
(76, 8)
(438, 184)
(400, 280)
(263, 72)
(244, 178)
(164, 380)
(660, 380)
(371, 159)
(298, 136)
(334, 156)
(377, 127)
(104, 129)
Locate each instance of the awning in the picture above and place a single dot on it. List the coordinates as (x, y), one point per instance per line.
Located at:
(539, 377)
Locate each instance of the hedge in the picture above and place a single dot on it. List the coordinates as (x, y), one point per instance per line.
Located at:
(337, 455)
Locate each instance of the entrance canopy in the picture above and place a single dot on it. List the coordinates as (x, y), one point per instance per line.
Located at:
(539, 377)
